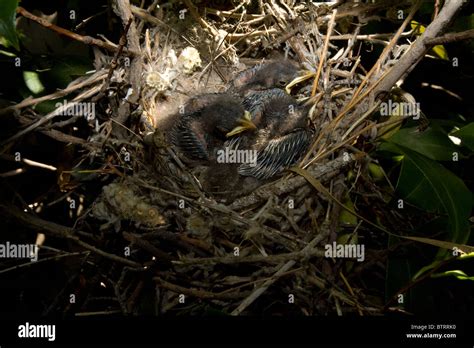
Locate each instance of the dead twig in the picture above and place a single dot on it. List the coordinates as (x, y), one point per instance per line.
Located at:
(87, 40)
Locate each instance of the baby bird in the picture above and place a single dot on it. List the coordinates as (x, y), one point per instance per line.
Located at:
(281, 137)
(273, 74)
(205, 123)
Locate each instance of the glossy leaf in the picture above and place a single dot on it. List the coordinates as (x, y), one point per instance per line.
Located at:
(430, 186)
(7, 22)
(33, 82)
(466, 134)
(431, 143)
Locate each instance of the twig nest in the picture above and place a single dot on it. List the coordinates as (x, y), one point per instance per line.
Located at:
(120, 202)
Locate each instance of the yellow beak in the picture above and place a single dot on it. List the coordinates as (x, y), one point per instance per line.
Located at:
(305, 75)
(245, 123)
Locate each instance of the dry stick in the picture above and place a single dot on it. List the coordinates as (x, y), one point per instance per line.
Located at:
(70, 139)
(87, 40)
(59, 231)
(199, 19)
(419, 48)
(322, 173)
(231, 14)
(49, 116)
(13, 172)
(257, 293)
(217, 207)
(123, 9)
(56, 257)
(369, 37)
(451, 37)
(324, 53)
(234, 260)
(145, 16)
(306, 251)
(29, 162)
(96, 77)
(352, 138)
(382, 57)
(113, 64)
(198, 293)
(41, 121)
(147, 246)
(355, 98)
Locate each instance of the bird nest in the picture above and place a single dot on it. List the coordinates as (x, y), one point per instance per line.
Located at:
(148, 239)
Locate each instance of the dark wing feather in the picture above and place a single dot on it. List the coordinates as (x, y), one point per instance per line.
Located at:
(189, 138)
(280, 153)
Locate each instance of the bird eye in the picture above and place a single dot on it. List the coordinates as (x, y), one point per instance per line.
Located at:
(282, 83)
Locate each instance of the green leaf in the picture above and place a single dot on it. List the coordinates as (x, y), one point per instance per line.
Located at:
(430, 186)
(346, 218)
(440, 51)
(432, 143)
(33, 82)
(456, 273)
(442, 244)
(7, 22)
(466, 134)
(66, 70)
(399, 273)
(8, 54)
(376, 171)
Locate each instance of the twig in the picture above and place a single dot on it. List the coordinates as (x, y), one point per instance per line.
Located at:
(113, 64)
(147, 246)
(87, 40)
(322, 173)
(123, 9)
(451, 37)
(323, 53)
(59, 111)
(32, 263)
(97, 77)
(58, 231)
(419, 48)
(199, 19)
(198, 293)
(306, 251)
(231, 260)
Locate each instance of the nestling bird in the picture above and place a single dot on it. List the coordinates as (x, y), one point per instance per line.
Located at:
(274, 74)
(252, 115)
(205, 123)
(281, 137)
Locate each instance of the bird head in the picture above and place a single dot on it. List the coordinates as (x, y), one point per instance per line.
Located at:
(224, 116)
(277, 74)
(244, 123)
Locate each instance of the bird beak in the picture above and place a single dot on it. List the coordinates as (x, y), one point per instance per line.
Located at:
(245, 123)
(304, 75)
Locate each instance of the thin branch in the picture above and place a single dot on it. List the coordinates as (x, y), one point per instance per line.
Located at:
(87, 40)
(451, 37)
